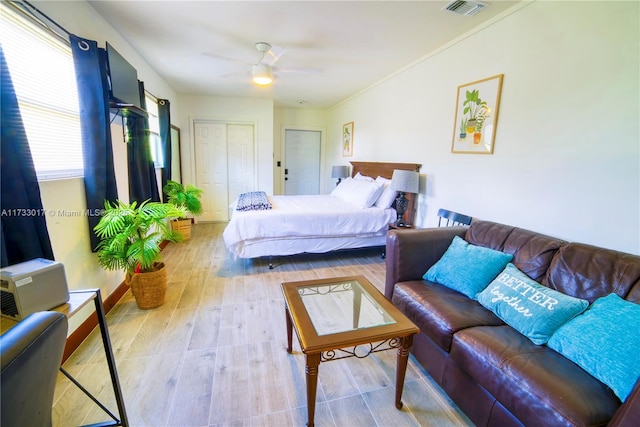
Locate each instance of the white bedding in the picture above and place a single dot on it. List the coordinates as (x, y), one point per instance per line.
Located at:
(301, 219)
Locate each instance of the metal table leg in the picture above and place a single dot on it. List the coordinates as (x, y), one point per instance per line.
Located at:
(111, 363)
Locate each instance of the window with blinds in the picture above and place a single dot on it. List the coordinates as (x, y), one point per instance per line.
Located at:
(41, 67)
(155, 143)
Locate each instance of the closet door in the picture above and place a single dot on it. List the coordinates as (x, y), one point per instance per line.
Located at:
(224, 165)
(240, 159)
(211, 169)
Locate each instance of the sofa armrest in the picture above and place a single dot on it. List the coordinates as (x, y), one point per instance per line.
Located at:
(410, 253)
(629, 413)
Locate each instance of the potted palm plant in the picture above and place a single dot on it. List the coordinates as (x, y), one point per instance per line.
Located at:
(130, 237)
(188, 198)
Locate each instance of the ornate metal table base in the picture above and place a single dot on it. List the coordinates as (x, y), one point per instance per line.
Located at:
(403, 344)
(341, 317)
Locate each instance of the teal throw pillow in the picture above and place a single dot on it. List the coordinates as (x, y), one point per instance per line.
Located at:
(467, 268)
(530, 308)
(605, 342)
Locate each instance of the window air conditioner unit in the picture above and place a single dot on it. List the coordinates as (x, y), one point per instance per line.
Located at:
(36, 285)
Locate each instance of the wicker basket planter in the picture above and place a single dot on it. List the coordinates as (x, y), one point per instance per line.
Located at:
(186, 197)
(131, 236)
(182, 226)
(149, 289)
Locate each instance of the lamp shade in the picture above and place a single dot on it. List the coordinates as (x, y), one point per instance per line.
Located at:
(339, 171)
(405, 181)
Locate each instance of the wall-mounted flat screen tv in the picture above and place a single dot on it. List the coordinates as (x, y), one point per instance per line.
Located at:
(123, 79)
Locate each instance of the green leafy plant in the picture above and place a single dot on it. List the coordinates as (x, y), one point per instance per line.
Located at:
(482, 115)
(188, 197)
(463, 125)
(130, 234)
(472, 104)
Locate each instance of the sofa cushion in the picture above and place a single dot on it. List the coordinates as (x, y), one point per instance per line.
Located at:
(467, 268)
(488, 234)
(532, 252)
(438, 311)
(604, 341)
(533, 382)
(532, 309)
(590, 272)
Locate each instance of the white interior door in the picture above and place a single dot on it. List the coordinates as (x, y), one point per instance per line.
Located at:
(224, 165)
(240, 159)
(302, 162)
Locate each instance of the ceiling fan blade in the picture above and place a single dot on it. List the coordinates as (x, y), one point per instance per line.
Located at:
(297, 70)
(235, 74)
(222, 58)
(272, 56)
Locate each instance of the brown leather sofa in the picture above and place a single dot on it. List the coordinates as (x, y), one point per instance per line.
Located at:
(495, 375)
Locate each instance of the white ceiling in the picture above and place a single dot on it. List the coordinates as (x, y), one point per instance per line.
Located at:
(355, 43)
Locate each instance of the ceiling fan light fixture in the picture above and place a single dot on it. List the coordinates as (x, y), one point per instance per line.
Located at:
(262, 74)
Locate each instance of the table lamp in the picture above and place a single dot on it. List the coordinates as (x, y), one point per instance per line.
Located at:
(403, 182)
(339, 172)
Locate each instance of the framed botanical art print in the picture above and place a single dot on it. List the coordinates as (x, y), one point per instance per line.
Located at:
(347, 139)
(476, 118)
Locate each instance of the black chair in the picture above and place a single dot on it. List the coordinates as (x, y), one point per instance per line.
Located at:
(449, 218)
(31, 353)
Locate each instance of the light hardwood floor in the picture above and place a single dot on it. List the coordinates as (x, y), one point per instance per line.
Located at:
(215, 353)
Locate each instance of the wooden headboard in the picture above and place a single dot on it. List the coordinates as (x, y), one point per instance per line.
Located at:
(385, 170)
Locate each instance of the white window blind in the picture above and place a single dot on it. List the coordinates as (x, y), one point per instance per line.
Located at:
(155, 143)
(41, 67)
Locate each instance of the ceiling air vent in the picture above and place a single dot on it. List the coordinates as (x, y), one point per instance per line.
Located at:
(466, 8)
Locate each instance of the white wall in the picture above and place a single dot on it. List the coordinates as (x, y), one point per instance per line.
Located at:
(233, 110)
(567, 151)
(300, 119)
(64, 202)
(62, 199)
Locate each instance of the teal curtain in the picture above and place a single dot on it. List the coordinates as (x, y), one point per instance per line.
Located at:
(164, 119)
(23, 233)
(143, 184)
(93, 93)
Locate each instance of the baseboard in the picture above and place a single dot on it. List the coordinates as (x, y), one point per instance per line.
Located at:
(82, 332)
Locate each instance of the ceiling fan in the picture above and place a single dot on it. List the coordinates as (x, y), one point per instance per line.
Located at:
(262, 71)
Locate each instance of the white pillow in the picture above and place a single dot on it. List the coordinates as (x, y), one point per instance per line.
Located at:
(358, 192)
(388, 196)
(362, 177)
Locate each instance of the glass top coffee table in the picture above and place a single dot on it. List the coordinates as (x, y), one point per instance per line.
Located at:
(344, 317)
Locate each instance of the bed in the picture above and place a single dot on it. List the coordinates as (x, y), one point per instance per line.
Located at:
(318, 223)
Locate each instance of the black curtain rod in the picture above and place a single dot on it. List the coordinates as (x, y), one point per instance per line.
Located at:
(156, 97)
(56, 24)
(43, 15)
(152, 95)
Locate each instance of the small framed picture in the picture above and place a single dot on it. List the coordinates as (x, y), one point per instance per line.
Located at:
(476, 119)
(347, 140)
